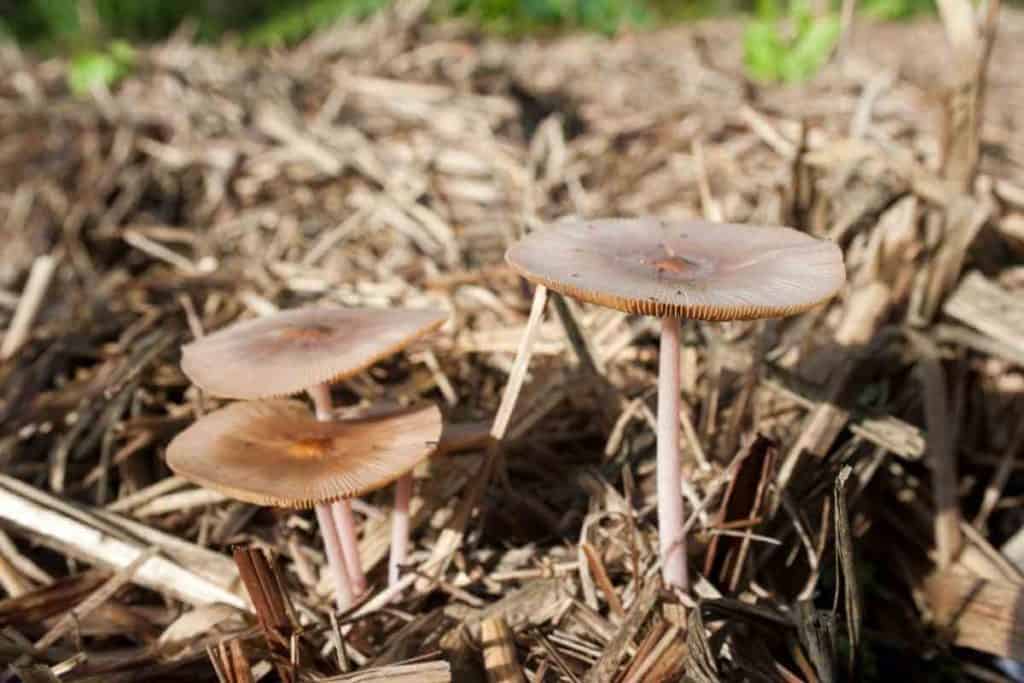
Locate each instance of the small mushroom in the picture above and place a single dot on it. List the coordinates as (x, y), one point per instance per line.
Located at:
(289, 352)
(673, 270)
(307, 349)
(274, 452)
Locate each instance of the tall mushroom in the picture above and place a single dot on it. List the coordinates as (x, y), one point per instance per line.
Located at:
(307, 349)
(675, 270)
(275, 452)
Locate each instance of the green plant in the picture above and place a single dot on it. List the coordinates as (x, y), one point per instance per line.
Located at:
(93, 69)
(771, 53)
(896, 9)
(518, 17)
(294, 20)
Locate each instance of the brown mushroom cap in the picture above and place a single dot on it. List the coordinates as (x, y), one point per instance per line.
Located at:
(682, 269)
(276, 453)
(289, 352)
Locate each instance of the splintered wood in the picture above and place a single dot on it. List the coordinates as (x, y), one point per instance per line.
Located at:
(500, 660)
(390, 163)
(979, 613)
(96, 539)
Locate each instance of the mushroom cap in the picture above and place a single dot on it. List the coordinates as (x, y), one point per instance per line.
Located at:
(291, 351)
(682, 269)
(276, 453)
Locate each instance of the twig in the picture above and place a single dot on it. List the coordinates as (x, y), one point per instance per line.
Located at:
(41, 518)
(28, 305)
(91, 603)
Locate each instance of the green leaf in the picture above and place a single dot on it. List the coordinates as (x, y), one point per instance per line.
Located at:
(763, 51)
(122, 52)
(94, 69)
(811, 50)
(768, 10)
(896, 9)
(296, 22)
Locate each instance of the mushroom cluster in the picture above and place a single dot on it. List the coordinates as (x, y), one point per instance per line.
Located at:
(269, 451)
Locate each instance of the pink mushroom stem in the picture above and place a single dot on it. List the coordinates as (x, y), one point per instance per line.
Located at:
(670, 498)
(335, 560)
(400, 527)
(342, 512)
(342, 522)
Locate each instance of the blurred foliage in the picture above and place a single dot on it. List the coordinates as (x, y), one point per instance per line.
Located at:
(86, 24)
(100, 68)
(75, 24)
(781, 43)
(291, 24)
(525, 16)
(788, 45)
(896, 9)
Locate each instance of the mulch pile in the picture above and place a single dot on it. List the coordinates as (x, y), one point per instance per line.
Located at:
(855, 494)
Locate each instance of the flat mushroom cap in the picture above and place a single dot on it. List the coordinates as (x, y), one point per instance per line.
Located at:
(289, 352)
(276, 453)
(683, 269)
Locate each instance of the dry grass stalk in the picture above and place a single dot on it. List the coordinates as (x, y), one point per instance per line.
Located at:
(230, 662)
(425, 672)
(94, 600)
(48, 519)
(39, 278)
(499, 650)
(56, 599)
(638, 613)
(941, 460)
(273, 608)
(600, 574)
(743, 501)
(972, 48)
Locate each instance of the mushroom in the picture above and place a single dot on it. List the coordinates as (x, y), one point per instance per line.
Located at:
(274, 452)
(673, 270)
(307, 349)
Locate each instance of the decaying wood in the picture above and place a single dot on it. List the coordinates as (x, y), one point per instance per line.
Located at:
(273, 608)
(817, 629)
(864, 315)
(979, 613)
(972, 42)
(36, 606)
(94, 600)
(638, 613)
(989, 308)
(231, 663)
(942, 461)
(743, 502)
(499, 648)
(426, 672)
(847, 565)
(86, 537)
(35, 673)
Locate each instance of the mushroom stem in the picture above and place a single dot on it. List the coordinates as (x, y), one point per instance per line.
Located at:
(670, 499)
(341, 510)
(399, 527)
(342, 585)
(343, 524)
(321, 395)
